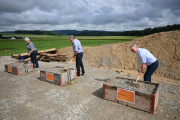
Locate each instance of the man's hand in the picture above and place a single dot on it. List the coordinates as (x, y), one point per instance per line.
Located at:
(141, 73)
(29, 54)
(76, 52)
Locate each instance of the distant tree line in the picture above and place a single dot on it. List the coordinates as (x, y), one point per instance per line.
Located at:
(36, 32)
(144, 32)
(0, 35)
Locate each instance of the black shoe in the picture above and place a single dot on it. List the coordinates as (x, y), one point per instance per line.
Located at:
(36, 67)
(83, 74)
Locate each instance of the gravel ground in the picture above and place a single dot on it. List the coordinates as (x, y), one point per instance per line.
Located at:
(26, 97)
(126, 84)
(56, 70)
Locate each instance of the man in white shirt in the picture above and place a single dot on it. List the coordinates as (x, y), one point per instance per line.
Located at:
(78, 53)
(147, 59)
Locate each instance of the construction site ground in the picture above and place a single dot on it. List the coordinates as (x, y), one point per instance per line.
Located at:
(26, 97)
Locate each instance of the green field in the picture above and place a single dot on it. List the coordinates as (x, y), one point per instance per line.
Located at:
(42, 42)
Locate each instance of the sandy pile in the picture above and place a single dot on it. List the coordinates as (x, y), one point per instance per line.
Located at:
(165, 46)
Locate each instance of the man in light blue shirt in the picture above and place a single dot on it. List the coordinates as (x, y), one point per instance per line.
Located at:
(147, 59)
(78, 53)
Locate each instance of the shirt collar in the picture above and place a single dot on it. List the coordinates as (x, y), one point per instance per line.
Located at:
(73, 41)
(138, 51)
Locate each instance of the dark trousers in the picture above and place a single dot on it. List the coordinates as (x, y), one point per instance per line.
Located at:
(79, 63)
(34, 59)
(150, 70)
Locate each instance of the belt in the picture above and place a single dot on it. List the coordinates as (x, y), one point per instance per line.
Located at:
(154, 62)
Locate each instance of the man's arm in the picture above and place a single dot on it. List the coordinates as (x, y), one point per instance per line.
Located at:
(75, 53)
(142, 69)
(31, 52)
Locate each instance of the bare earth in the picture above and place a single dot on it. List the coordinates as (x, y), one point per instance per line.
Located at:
(165, 46)
(25, 97)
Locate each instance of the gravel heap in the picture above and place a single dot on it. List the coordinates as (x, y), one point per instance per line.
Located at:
(125, 84)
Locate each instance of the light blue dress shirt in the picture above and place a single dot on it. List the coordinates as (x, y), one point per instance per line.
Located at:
(77, 46)
(145, 56)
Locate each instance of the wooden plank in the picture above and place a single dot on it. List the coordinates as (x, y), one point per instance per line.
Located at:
(60, 80)
(157, 95)
(17, 56)
(152, 103)
(52, 50)
(49, 55)
(17, 70)
(41, 58)
(27, 59)
(104, 90)
(23, 55)
(40, 75)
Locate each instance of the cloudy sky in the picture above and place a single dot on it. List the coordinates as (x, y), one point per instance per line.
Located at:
(109, 15)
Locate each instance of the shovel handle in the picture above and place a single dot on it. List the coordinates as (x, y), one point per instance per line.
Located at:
(71, 61)
(138, 78)
(69, 64)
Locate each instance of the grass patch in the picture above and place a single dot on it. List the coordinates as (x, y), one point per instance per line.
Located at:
(42, 42)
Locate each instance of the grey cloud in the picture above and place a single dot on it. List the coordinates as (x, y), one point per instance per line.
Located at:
(16, 6)
(88, 14)
(106, 9)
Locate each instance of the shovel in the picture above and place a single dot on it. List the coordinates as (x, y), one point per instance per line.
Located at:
(65, 69)
(136, 84)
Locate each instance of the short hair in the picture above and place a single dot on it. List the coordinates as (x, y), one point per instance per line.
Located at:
(26, 38)
(133, 45)
(72, 37)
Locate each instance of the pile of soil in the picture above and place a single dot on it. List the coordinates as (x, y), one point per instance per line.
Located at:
(165, 46)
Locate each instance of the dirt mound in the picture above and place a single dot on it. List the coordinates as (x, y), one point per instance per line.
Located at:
(165, 46)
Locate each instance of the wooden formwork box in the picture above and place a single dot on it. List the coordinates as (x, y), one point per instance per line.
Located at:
(143, 101)
(58, 78)
(19, 68)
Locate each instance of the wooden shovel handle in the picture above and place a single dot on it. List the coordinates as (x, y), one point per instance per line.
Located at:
(71, 61)
(138, 78)
(69, 64)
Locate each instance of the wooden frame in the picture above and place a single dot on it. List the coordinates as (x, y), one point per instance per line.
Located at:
(143, 101)
(19, 68)
(59, 78)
